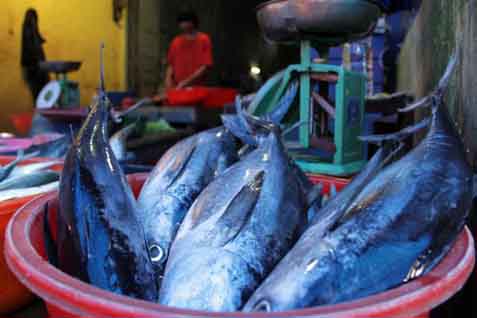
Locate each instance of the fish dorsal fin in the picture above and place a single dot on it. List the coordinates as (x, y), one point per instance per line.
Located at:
(172, 165)
(239, 210)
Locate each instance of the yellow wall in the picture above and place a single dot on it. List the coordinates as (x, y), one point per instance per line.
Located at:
(73, 30)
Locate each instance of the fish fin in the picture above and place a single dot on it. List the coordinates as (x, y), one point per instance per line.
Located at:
(239, 210)
(449, 72)
(50, 245)
(18, 159)
(423, 102)
(283, 106)
(235, 125)
(8, 169)
(426, 262)
(177, 167)
(398, 136)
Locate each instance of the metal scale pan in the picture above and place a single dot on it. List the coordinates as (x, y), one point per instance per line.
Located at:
(323, 22)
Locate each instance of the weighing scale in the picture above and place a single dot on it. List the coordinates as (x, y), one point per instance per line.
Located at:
(319, 24)
(62, 92)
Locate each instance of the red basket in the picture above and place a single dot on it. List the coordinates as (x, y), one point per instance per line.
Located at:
(15, 295)
(22, 122)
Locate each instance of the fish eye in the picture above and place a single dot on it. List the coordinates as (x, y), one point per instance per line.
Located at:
(263, 306)
(157, 253)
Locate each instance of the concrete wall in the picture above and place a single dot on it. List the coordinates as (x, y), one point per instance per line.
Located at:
(73, 30)
(439, 27)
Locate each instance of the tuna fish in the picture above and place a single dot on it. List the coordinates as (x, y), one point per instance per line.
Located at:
(179, 177)
(237, 230)
(7, 170)
(27, 192)
(33, 168)
(30, 180)
(100, 238)
(185, 170)
(397, 228)
(53, 149)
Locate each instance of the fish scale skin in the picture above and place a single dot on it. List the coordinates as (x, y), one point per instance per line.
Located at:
(414, 209)
(179, 177)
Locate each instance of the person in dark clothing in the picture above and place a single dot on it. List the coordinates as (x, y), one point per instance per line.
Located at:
(32, 54)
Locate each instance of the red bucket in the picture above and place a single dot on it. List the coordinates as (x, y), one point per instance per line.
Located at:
(68, 297)
(13, 295)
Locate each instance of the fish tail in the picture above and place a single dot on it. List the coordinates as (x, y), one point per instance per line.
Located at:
(284, 104)
(398, 136)
(234, 124)
(433, 99)
(248, 128)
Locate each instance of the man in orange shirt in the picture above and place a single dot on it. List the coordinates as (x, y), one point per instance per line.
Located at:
(190, 54)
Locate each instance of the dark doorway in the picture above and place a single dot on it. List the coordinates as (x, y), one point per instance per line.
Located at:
(143, 47)
(232, 26)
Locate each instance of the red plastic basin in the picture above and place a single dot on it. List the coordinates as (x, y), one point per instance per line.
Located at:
(219, 97)
(68, 297)
(13, 295)
(191, 96)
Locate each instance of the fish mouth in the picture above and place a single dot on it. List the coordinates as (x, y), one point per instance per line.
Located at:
(263, 305)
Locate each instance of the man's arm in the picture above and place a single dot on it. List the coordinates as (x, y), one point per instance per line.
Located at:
(194, 77)
(170, 83)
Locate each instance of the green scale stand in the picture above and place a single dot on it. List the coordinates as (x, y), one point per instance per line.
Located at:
(350, 90)
(317, 148)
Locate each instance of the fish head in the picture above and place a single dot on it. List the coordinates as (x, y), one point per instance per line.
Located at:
(310, 267)
(198, 281)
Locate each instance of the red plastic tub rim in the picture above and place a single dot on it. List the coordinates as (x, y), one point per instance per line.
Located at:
(69, 294)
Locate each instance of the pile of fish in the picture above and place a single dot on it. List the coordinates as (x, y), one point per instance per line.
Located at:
(221, 229)
(20, 181)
